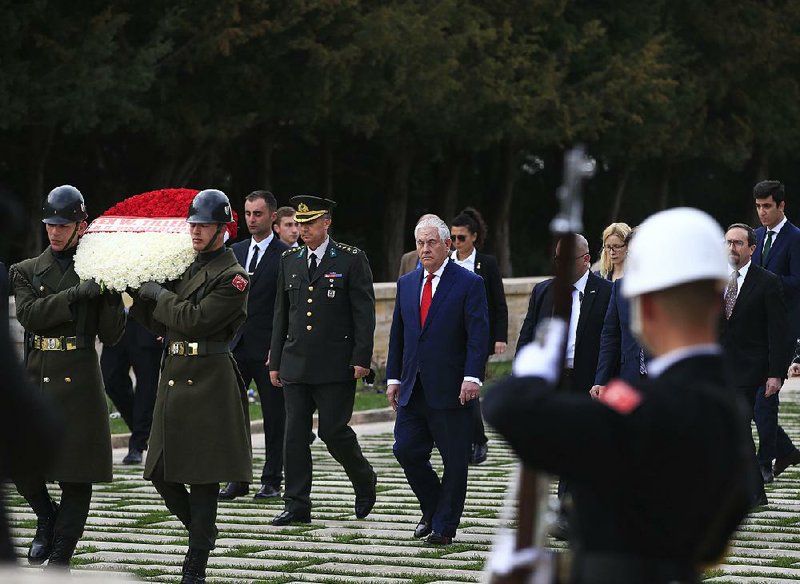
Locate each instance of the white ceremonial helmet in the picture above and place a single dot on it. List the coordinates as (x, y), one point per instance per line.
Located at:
(675, 247)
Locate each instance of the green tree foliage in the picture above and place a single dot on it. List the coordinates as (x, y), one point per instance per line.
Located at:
(403, 107)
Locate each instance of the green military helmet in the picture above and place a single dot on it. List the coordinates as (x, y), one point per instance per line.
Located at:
(210, 206)
(64, 205)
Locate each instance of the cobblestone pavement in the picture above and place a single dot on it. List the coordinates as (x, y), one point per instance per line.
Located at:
(129, 530)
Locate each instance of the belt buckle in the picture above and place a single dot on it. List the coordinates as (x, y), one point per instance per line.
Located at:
(192, 348)
(53, 343)
(180, 348)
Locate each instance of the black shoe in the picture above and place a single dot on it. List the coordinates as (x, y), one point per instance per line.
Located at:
(267, 492)
(365, 497)
(479, 452)
(766, 474)
(781, 464)
(42, 543)
(560, 529)
(233, 490)
(312, 437)
(289, 517)
(438, 539)
(759, 501)
(63, 548)
(194, 567)
(134, 456)
(424, 527)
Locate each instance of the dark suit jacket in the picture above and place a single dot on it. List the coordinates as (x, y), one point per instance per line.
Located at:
(754, 338)
(253, 337)
(450, 346)
(596, 297)
(619, 349)
(784, 261)
(486, 268)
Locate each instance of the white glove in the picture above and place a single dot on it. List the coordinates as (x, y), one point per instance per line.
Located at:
(544, 356)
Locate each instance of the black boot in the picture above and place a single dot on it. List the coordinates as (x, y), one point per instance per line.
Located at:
(194, 567)
(63, 548)
(42, 542)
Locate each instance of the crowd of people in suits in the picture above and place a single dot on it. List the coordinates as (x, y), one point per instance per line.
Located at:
(298, 322)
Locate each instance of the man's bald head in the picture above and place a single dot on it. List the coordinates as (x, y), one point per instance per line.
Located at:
(581, 257)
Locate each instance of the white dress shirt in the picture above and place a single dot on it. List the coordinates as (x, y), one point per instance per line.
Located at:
(262, 247)
(660, 364)
(437, 275)
(319, 252)
(468, 263)
(572, 333)
(776, 230)
(740, 279)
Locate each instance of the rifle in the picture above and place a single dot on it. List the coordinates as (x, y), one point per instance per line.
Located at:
(521, 558)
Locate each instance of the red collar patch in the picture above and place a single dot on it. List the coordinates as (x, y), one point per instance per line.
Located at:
(239, 283)
(621, 397)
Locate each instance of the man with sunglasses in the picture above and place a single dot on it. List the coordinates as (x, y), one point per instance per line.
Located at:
(590, 297)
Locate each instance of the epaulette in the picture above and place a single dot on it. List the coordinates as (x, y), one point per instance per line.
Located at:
(291, 250)
(345, 247)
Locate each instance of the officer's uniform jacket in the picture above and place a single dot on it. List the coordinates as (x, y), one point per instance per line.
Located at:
(200, 422)
(70, 378)
(323, 327)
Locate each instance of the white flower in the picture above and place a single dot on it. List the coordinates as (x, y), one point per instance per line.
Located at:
(121, 260)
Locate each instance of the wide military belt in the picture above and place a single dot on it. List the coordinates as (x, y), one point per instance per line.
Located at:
(41, 343)
(197, 348)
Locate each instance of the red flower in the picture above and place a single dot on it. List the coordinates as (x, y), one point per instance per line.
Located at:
(163, 203)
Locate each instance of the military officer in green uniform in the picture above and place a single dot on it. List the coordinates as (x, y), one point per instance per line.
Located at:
(200, 435)
(321, 344)
(62, 316)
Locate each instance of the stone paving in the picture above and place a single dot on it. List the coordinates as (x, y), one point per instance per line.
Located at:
(129, 530)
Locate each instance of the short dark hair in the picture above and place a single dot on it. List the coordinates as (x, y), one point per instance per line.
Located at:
(751, 234)
(268, 197)
(770, 188)
(283, 212)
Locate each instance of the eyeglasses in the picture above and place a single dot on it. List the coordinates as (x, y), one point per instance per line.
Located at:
(610, 248)
(734, 242)
(558, 259)
(458, 237)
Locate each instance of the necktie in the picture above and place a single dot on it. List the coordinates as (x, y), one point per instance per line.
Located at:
(312, 266)
(427, 296)
(767, 247)
(730, 294)
(254, 261)
(642, 366)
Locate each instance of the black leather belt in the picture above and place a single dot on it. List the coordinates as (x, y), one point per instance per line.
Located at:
(598, 568)
(41, 343)
(197, 348)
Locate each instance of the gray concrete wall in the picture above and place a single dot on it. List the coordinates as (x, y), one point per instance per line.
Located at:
(518, 291)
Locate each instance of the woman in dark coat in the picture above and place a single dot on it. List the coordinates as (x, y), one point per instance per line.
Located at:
(468, 232)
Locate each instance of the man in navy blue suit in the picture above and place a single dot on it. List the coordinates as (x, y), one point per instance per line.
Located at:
(437, 354)
(777, 250)
(620, 354)
(260, 256)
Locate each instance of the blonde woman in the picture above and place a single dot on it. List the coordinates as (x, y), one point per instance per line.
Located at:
(615, 250)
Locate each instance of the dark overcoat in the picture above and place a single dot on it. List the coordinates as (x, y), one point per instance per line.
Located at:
(71, 379)
(200, 421)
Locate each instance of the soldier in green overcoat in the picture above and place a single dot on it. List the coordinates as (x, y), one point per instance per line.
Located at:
(200, 434)
(62, 316)
(322, 337)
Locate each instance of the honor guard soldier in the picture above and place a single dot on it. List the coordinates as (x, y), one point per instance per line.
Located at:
(681, 433)
(322, 339)
(200, 434)
(62, 316)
